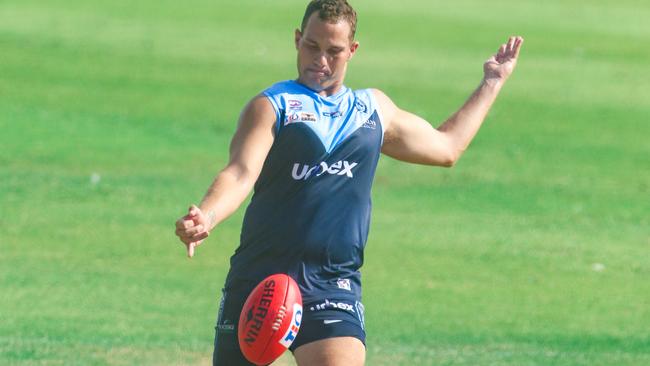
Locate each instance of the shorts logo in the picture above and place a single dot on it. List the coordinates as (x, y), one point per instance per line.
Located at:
(292, 332)
(295, 104)
(224, 325)
(344, 284)
(331, 321)
(341, 167)
(299, 117)
(333, 305)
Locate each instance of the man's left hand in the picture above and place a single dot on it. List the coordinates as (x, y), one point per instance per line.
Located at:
(499, 67)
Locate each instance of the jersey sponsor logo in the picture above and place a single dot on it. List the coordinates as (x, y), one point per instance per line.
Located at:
(292, 332)
(299, 117)
(334, 114)
(295, 104)
(341, 167)
(333, 305)
(344, 284)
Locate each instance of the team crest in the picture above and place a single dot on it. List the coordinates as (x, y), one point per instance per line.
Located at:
(360, 106)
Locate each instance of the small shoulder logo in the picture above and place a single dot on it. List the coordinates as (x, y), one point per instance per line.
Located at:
(370, 123)
(295, 104)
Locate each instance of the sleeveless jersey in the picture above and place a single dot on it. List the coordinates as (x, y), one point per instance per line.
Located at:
(310, 212)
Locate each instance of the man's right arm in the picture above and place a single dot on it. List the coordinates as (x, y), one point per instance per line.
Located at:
(248, 150)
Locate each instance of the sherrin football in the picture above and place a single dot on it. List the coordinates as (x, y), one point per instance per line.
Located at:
(270, 319)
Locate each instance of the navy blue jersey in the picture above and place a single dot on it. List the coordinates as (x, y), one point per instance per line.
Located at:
(310, 212)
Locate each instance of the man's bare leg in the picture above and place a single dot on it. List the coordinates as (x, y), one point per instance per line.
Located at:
(338, 351)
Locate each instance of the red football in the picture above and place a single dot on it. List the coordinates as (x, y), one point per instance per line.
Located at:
(270, 319)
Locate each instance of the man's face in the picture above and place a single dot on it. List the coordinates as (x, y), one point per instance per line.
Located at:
(324, 50)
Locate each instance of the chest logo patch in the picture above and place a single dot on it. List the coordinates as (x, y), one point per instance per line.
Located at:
(295, 104)
(299, 117)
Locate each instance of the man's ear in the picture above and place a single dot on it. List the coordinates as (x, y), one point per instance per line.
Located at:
(353, 49)
(297, 36)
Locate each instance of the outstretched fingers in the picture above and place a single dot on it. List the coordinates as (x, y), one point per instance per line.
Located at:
(517, 45)
(513, 45)
(502, 50)
(510, 49)
(502, 63)
(510, 44)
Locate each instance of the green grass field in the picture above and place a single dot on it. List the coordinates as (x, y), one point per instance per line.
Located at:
(533, 250)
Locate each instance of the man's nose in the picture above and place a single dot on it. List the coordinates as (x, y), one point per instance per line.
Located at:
(321, 59)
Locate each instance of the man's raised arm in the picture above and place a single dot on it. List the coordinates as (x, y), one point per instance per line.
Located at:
(412, 139)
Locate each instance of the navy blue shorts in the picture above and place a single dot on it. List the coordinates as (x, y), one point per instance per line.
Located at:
(321, 320)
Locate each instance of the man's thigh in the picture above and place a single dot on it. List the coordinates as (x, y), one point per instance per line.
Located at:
(339, 351)
(331, 334)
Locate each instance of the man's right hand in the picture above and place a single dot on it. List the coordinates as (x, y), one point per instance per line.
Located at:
(192, 229)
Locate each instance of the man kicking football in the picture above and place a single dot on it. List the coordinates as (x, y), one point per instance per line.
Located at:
(309, 148)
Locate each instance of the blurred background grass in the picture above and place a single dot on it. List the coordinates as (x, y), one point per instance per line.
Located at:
(533, 250)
